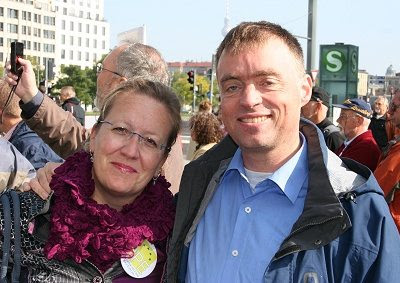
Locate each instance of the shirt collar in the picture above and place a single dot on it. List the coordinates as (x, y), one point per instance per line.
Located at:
(291, 174)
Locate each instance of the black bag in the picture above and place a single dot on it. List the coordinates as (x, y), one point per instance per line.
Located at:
(10, 198)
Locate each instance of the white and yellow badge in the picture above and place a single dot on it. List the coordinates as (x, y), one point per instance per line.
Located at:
(143, 262)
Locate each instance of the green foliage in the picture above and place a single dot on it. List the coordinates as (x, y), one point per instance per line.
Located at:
(83, 81)
(182, 87)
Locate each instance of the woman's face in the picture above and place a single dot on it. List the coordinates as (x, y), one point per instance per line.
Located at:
(122, 164)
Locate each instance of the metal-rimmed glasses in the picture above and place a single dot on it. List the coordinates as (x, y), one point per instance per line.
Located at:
(123, 134)
(99, 68)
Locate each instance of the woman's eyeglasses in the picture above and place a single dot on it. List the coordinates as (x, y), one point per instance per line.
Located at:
(123, 135)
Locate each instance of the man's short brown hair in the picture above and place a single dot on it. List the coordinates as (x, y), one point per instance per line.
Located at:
(252, 34)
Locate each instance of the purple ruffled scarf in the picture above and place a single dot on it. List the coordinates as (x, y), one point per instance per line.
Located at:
(83, 229)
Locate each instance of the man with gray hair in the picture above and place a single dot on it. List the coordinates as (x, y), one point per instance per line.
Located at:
(65, 135)
(379, 121)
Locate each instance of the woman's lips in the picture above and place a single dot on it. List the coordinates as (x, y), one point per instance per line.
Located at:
(123, 167)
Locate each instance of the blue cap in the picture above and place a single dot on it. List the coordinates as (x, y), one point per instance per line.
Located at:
(357, 105)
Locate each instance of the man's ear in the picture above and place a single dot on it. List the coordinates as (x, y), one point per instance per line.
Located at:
(306, 89)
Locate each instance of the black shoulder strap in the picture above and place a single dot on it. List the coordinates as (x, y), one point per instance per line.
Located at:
(6, 237)
(5, 201)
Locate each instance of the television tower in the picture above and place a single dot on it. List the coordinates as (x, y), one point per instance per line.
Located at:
(226, 27)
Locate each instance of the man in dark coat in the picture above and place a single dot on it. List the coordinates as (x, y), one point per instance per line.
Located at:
(360, 145)
(72, 104)
(316, 111)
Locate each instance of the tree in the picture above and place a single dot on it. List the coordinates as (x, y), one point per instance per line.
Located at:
(83, 81)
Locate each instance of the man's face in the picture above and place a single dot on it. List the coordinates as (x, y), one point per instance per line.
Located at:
(106, 80)
(262, 92)
(310, 110)
(394, 109)
(380, 107)
(348, 122)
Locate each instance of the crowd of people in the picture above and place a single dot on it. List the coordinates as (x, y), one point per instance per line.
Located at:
(269, 196)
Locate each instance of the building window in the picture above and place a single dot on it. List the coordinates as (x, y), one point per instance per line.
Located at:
(87, 28)
(1, 57)
(37, 32)
(49, 34)
(63, 24)
(80, 14)
(64, 11)
(63, 38)
(103, 44)
(94, 57)
(1, 14)
(1, 41)
(87, 42)
(94, 43)
(48, 48)
(1, 26)
(95, 29)
(71, 55)
(12, 28)
(37, 18)
(62, 54)
(71, 26)
(103, 31)
(80, 27)
(79, 41)
(71, 40)
(12, 13)
(87, 56)
(79, 55)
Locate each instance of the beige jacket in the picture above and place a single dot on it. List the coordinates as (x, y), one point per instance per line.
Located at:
(15, 169)
(65, 135)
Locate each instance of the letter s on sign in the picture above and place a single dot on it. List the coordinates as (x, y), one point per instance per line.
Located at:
(334, 61)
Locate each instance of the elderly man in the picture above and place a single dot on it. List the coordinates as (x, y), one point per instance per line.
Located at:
(281, 207)
(388, 171)
(65, 135)
(17, 132)
(316, 111)
(72, 104)
(379, 121)
(360, 145)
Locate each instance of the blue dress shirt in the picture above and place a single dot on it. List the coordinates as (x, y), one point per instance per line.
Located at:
(241, 230)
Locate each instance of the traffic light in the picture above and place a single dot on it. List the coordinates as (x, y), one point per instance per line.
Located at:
(190, 77)
(209, 74)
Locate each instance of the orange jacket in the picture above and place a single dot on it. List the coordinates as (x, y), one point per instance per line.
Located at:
(388, 174)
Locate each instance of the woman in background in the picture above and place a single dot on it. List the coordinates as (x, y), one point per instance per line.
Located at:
(206, 131)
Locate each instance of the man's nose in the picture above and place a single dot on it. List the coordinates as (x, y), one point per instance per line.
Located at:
(251, 96)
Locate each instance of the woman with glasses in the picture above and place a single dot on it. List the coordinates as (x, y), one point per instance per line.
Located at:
(111, 212)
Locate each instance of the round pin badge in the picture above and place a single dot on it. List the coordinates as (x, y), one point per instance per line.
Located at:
(143, 262)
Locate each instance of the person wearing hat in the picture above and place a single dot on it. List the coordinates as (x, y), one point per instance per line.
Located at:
(360, 145)
(316, 111)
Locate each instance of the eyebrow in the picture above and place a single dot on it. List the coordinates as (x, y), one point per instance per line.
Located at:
(254, 75)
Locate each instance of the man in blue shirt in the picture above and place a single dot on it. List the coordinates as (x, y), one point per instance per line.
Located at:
(280, 207)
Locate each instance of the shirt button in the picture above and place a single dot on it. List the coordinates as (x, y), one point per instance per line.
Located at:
(235, 253)
(247, 209)
(97, 279)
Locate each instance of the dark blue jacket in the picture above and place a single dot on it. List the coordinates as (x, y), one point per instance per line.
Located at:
(32, 146)
(344, 234)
